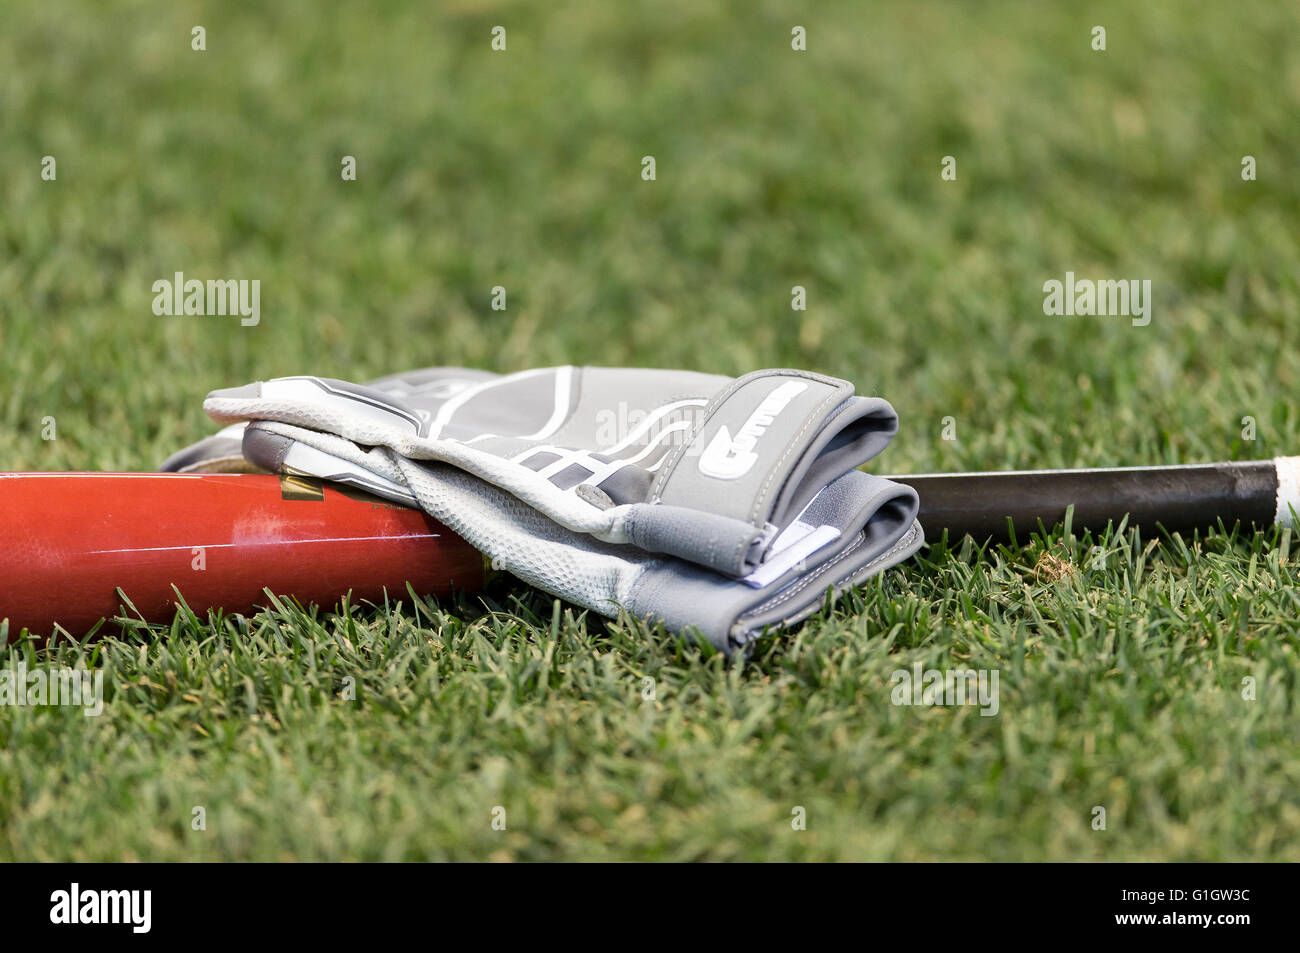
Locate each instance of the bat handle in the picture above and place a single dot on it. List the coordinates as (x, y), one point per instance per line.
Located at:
(1178, 498)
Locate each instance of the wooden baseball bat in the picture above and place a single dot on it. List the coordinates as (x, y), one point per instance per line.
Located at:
(69, 541)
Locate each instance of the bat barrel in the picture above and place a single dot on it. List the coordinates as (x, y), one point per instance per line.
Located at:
(68, 541)
(1177, 498)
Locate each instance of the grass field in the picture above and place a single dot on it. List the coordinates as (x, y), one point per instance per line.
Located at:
(1121, 679)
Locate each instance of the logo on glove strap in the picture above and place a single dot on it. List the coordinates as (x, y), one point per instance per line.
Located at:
(730, 458)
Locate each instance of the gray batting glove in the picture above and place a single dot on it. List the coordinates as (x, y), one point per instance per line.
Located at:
(586, 481)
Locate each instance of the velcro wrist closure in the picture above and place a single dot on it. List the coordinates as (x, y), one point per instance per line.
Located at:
(753, 437)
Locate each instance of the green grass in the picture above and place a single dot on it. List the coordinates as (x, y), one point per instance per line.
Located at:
(1121, 685)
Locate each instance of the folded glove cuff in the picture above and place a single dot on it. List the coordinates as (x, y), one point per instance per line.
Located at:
(731, 615)
(768, 443)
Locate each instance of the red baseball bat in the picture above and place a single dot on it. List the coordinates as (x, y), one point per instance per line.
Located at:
(69, 541)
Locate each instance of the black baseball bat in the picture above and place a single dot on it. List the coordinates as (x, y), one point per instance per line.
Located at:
(1259, 493)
